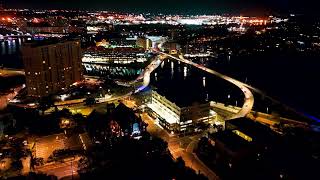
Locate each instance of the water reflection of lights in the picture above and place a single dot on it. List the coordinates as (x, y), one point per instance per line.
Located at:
(185, 70)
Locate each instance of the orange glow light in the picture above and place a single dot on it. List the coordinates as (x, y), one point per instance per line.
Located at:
(35, 20)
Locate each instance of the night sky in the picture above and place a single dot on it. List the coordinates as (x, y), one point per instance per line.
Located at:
(175, 6)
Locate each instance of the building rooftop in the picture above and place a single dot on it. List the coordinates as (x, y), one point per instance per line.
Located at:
(164, 112)
(232, 141)
(256, 130)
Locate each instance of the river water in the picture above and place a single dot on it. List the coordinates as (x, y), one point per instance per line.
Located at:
(10, 55)
(186, 85)
(293, 80)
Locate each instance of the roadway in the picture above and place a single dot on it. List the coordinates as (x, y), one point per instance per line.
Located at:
(180, 147)
(176, 145)
(9, 72)
(249, 99)
(183, 147)
(247, 90)
(288, 108)
(145, 76)
(61, 169)
(45, 146)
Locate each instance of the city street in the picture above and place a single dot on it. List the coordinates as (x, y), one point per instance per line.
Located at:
(79, 106)
(249, 99)
(180, 147)
(45, 146)
(202, 89)
(61, 169)
(7, 72)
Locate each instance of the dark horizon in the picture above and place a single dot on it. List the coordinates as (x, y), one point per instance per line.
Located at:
(251, 7)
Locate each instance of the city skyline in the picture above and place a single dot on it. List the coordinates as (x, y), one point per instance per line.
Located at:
(250, 7)
(186, 89)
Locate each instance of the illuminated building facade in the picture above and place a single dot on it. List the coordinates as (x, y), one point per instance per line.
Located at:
(143, 42)
(119, 55)
(180, 119)
(51, 66)
(172, 47)
(53, 30)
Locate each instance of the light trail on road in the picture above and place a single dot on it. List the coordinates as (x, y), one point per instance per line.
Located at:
(249, 99)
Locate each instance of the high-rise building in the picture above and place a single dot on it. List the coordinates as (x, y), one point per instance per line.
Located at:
(51, 66)
(143, 42)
